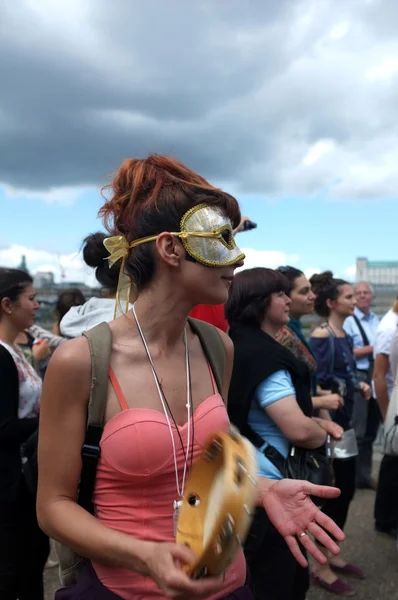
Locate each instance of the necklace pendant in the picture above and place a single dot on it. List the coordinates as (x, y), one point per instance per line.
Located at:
(176, 513)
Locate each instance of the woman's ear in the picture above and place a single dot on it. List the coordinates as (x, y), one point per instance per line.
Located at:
(6, 306)
(170, 249)
(330, 303)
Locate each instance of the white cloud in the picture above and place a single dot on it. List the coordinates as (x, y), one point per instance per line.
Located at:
(60, 195)
(268, 258)
(309, 271)
(317, 151)
(70, 265)
(384, 70)
(339, 31)
(350, 271)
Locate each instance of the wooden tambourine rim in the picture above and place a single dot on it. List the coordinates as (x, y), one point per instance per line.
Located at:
(229, 462)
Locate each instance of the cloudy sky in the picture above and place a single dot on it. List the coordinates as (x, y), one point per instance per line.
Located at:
(292, 105)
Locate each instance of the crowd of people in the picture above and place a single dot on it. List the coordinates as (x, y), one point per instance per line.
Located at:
(311, 406)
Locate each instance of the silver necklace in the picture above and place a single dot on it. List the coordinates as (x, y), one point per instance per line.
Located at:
(180, 490)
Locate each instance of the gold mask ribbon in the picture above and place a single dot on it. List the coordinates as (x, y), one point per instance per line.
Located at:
(118, 248)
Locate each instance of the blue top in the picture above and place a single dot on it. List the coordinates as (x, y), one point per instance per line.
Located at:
(342, 366)
(369, 324)
(274, 388)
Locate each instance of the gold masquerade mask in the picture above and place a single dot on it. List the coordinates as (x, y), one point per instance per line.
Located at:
(206, 234)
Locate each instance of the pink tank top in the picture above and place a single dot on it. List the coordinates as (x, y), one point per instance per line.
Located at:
(135, 485)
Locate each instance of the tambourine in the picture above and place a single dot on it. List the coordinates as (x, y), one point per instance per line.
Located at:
(218, 505)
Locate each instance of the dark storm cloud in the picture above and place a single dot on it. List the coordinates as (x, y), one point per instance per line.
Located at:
(240, 92)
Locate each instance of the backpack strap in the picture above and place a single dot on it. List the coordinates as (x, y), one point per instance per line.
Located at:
(213, 347)
(100, 343)
(361, 331)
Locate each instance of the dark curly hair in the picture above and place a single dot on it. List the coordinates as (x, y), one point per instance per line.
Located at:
(95, 255)
(326, 287)
(291, 273)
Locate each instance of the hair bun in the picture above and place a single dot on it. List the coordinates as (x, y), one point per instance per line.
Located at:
(94, 251)
(321, 279)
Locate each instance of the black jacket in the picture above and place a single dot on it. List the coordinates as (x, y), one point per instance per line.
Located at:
(13, 431)
(257, 356)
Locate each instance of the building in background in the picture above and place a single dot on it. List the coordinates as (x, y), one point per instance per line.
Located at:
(383, 276)
(43, 280)
(383, 273)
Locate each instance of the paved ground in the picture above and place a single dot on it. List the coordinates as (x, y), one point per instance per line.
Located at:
(377, 554)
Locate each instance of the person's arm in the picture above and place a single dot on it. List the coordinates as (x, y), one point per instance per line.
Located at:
(327, 401)
(241, 226)
(324, 414)
(380, 371)
(363, 352)
(43, 334)
(276, 396)
(12, 429)
(335, 430)
(322, 350)
(295, 426)
(321, 392)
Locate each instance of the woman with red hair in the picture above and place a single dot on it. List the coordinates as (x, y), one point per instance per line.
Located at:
(173, 232)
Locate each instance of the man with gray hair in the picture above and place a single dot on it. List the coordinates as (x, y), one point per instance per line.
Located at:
(362, 328)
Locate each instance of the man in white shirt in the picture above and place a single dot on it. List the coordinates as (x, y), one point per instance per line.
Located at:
(386, 506)
(361, 327)
(394, 355)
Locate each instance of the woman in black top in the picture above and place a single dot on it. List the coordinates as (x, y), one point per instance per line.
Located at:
(270, 402)
(23, 546)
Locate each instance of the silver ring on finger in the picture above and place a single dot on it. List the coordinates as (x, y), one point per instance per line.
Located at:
(302, 534)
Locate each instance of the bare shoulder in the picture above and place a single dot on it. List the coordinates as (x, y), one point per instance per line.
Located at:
(320, 332)
(73, 355)
(69, 373)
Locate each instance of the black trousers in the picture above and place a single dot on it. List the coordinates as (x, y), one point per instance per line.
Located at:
(275, 573)
(365, 444)
(366, 419)
(386, 505)
(24, 549)
(337, 509)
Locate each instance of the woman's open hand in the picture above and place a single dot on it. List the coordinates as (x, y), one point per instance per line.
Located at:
(292, 512)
